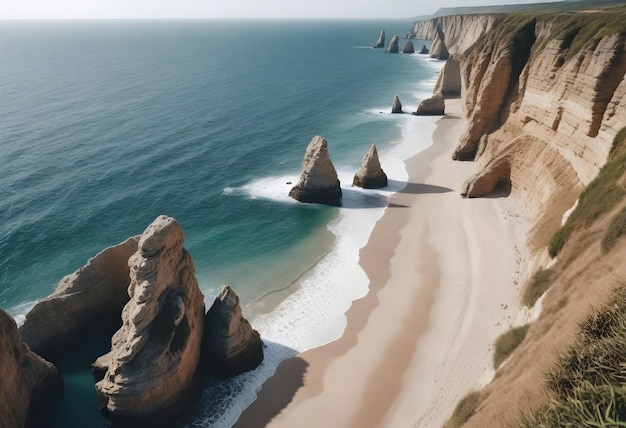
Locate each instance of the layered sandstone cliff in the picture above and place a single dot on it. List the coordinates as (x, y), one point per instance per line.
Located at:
(542, 106)
(92, 296)
(150, 373)
(27, 381)
(544, 99)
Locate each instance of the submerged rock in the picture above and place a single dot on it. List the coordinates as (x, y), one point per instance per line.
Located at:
(230, 345)
(424, 50)
(92, 296)
(393, 45)
(381, 40)
(149, 376)
(408, 48)
(433, 106)
(318, 182)
(396, 107)
(370, 175)
(28, 383)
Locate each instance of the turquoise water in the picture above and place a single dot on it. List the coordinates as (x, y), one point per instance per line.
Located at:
(106, 125)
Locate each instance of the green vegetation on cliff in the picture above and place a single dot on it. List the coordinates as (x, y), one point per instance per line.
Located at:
(589, 380)
(507, 343)
(603, 194)
(464, 410)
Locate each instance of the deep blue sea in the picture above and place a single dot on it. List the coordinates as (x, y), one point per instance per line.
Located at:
(104, 125)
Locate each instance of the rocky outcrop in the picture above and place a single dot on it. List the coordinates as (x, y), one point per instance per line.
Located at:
(370, 175)
(424, 50)
(439, 49)
(28, 383)
(393, 45)
(381, 40)
(433, 106)
(449, 82)
(318, 182)
(92, 296)
(230, 344)
(396, 106)
(408, 48)
(149, 376)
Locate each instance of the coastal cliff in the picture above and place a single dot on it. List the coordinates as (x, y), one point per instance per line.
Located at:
(535, 95)
(543, 95)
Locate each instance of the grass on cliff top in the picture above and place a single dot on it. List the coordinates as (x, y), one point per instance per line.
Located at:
(589, 379)
(601, 195)
(507, 343)
(464, 410)
(578, 29)
(539, 284)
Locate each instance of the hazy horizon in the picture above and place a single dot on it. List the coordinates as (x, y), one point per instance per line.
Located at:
(234, 9)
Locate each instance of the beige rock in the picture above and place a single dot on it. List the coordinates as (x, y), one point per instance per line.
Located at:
(93, 295)
(230, 344)
(433, 106)
(393, 45)
(318, 182)
(396, 106)
(381, 40)
(28, 383)
(370, 175)
(148, 377)
(408, 48)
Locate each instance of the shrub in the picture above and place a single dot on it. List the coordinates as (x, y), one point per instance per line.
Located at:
(464, 410)
(507, 343)
(616, 230)
(539, 284)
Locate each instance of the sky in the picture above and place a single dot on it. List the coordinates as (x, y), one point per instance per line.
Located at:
(106, 9)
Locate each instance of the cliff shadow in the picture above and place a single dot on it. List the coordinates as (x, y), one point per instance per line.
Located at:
(417, 188)
(275, 395)
(502, 190)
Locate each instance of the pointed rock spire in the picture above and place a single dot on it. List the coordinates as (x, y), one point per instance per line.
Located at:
(318, 182)
(424, 50)
(396, 107)
(230, 343)
(370, 175)
(149, 376)
(408, 48)
(381, 40)
(393, 45)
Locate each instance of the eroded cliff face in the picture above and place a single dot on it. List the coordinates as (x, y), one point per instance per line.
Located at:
(542, 112)
(544, 99)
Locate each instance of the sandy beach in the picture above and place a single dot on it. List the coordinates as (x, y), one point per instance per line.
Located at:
(444, 284)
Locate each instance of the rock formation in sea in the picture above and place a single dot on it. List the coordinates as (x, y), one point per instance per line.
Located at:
(28, 383)
(92, 296)
(424, 50)
(433, 106)
(318, 181)
(230, 345)
(149, 376)
(396, 106)
(381, 40)
(393, 44)
(408, 48)
(370, 175)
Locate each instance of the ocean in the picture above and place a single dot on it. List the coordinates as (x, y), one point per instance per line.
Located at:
(104, 125)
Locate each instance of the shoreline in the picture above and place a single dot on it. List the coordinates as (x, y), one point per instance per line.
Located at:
(386, 369)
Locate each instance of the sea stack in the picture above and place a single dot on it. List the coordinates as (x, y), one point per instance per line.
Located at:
(370, 175)
(28, 383)
(318, 182)
(393, 45)
(93, 296)
(230, 345)
(424, 50)
(396, 107)
(381, 40)
(433, 106)
(149, 376)
(408, 48)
